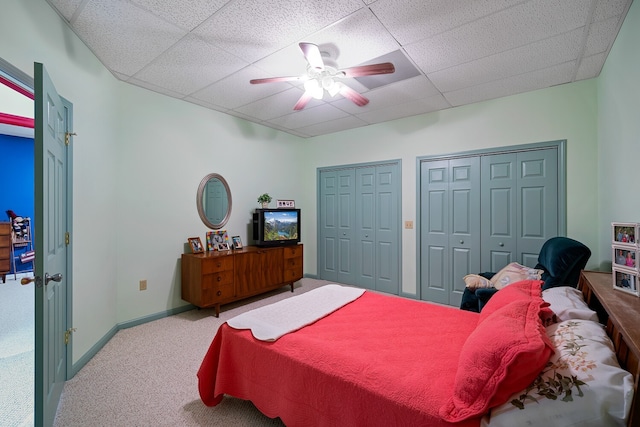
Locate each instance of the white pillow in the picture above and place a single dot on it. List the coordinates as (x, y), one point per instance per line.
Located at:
(567, 303)
(584, 351)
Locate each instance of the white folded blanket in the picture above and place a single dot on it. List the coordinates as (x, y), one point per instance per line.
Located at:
(270, 322)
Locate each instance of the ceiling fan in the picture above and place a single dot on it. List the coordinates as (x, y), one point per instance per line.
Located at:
(322, 74)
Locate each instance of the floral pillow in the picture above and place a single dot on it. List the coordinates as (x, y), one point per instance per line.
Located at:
(582, 384)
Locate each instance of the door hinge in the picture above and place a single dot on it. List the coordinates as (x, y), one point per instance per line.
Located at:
(67, 335)
(67, 238)
(67, 137)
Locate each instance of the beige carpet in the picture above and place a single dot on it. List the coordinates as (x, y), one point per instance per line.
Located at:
(146, 375)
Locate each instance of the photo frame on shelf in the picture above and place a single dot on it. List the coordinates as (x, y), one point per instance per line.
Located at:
(625, 257)
(286, 204)
(625, 233)
(625, 280)
(215, 238)
(222, 246)
(196, 245)
(237, 242)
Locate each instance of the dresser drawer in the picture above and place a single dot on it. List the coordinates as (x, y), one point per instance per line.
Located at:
(216, 264)
(293, 274)
(210, 281)
(292, 263)
(292, 252)
(5, 253)
(217, 294)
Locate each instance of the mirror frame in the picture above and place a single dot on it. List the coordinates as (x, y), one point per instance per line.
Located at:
(199, 194)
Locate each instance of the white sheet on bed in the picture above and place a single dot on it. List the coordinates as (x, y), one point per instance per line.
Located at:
(270, 322)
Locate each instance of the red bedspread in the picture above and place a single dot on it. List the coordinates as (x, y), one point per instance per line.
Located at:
(378, 361)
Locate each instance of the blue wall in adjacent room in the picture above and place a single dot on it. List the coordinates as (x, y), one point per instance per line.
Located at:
(16, 182)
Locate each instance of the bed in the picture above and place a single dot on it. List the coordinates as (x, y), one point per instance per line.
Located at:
(381, 360)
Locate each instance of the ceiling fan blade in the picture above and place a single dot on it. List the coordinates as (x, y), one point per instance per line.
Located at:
(352, 95)
(303, 101)
(276, 79)
(369, 70)
(312, 54)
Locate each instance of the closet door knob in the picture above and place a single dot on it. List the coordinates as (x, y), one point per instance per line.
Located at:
(500, 244)
(462, 242)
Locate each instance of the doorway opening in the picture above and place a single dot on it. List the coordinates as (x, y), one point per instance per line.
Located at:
(17, 349)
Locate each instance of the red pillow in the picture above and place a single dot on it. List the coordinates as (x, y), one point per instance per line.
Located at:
(502, 356)
(522, 290)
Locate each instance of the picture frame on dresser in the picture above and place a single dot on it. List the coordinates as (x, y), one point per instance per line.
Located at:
(625, 257)
(196, 245)
(216, 238)
(625, 281)
(237, 242)
(624, 233)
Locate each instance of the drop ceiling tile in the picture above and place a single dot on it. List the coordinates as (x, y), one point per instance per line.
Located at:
(66, 8)
(337, 125)
(606, 9)
(183, 15)
(601, 36)
(309, 116)
(154, 88)
(539, 79)
(253, 29)
(413, 20)
(235, 91)
(190, 65)
(123, 36)
(514, 27)
(591, 66)
(274, 106)
(413, 108)
(542, 54)
(394, 94)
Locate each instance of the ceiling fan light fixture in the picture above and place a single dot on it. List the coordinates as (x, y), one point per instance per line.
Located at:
(314, 88)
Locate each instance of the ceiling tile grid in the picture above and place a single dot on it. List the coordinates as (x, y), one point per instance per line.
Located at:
(446, 52)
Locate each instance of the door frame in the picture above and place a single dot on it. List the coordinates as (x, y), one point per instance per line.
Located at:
(560, 145)
(25, 85)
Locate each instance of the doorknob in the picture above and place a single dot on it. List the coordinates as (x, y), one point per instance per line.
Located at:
(56, 278)
(500, 244)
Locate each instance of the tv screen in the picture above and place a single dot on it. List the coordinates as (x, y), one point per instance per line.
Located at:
(276, 226)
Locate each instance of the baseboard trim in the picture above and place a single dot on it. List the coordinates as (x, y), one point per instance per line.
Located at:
(76, 367)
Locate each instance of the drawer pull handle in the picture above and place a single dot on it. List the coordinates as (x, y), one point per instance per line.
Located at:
(219, 293)
(218, 278)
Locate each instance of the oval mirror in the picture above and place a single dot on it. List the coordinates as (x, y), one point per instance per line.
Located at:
(214, 201)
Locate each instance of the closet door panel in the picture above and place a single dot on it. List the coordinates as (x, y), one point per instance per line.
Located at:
(365, 224)
(464, 240)
(434, 231)
(346, 230)
(498, 211)
(387, 232)
(328, 226)
(538, 202)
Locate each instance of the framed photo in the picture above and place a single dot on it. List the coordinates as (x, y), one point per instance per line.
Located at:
(626, 257)
(286, 204)
(215, 238)
(626, 281)
(196, 245)
(237, 242)
(624, 233)
(222, 246)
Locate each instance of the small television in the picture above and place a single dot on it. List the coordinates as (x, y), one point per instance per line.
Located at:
(276, 227)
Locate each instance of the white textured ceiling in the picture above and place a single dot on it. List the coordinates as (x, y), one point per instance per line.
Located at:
(465, 51)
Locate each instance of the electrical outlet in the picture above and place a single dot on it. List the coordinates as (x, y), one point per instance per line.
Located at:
(143, 285)
(408, 225)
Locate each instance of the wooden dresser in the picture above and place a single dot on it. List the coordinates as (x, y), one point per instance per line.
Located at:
(5, 250)
(620, 312)
(211, 279)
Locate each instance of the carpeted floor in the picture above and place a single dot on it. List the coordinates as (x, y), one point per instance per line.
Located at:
(16, 353)
(146, 375)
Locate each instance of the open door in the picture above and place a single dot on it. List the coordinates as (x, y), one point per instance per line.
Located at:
(52, 308)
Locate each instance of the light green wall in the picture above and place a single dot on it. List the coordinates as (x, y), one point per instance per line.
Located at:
(139, 157)
(619, 134)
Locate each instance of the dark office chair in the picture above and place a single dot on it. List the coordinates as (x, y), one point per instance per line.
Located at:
(561, 259)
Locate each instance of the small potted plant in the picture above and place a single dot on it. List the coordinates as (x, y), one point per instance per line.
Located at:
(265, 199)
